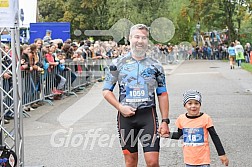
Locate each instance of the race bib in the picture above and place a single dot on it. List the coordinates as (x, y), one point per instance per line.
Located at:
(193, 136)
(137, 93)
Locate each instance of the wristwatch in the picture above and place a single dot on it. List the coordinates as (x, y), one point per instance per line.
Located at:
(167, 120)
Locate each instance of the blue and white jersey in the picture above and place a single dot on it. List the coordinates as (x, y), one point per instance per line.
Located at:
(138, 80)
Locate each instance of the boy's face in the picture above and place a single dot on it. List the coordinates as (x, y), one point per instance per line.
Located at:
(193, 108)
(60, 56)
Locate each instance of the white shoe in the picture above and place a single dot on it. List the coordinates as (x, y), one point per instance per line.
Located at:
(31, 109)
(26, 108)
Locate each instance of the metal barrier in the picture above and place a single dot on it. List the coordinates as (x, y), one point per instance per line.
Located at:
(43, 86)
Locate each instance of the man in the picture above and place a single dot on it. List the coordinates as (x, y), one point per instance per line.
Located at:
(7, 83)
(39, 43)
(138, 77)
(47, 37)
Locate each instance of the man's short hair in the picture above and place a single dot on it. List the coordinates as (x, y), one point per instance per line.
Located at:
(37, 39)
(139, 27)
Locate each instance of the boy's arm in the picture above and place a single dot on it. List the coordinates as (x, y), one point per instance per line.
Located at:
(218, 146)
(216, 141)
(176, 135)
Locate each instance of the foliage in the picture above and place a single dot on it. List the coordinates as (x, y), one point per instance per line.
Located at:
(185, 14)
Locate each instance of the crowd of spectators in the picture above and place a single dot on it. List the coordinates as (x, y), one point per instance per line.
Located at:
(46, 55)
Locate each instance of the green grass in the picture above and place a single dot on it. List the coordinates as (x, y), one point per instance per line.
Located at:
(247, 66)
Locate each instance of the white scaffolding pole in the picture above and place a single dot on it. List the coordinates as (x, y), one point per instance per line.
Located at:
(11, 99)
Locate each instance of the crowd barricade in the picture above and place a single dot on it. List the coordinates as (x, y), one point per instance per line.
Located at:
(95, 68)
(43, 86)
(160, 56)
(49, 82)
(31, 85)
(80, 71)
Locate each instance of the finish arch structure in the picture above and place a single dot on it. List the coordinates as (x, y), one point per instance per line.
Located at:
(11, 135)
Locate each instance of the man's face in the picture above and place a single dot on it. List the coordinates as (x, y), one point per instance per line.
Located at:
(38, 44)
(139, 42)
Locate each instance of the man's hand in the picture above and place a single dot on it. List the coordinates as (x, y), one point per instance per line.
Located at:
(127, 111)
(164, 130)
(224, 160)
(25, 66)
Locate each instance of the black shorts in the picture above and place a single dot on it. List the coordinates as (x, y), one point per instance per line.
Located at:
(143, 126)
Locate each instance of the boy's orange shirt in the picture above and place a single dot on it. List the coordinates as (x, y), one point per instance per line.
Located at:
(195, 139)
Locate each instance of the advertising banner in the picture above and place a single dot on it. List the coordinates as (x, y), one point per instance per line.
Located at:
(8, 13)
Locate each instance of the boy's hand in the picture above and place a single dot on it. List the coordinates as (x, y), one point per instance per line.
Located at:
(224, 160)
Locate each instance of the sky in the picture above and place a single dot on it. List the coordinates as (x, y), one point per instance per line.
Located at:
(29, 7)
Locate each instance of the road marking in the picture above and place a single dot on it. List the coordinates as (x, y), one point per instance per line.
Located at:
(82, 107)
(197, 73)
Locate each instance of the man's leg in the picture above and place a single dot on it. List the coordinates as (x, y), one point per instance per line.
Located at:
(150, 138)
(131, 159)
(128, 140)
(152, 159)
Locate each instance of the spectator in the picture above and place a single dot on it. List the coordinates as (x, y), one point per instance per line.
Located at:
(47, 37)
(7, 82)
(62, 66)
(28, 86)
(232, 53)
(38, 42)
(247, 52)
(239, 53)
(59, 80)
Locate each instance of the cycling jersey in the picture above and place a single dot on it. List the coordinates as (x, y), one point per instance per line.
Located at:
(138, 80)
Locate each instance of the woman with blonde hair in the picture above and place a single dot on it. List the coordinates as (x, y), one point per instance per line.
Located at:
(239, 53)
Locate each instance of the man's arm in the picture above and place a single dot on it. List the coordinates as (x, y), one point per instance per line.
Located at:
(126, 111)
(164, 105)
(163, 100)
(110, 97)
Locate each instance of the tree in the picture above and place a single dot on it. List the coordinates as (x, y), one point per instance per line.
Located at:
(185, 14)
(50, 10)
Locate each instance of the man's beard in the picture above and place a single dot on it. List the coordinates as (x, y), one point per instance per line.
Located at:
(140, 52)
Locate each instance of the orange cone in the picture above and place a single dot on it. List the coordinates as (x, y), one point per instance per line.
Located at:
(250, 57)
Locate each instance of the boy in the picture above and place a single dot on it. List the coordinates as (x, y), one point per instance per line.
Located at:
(195, 126)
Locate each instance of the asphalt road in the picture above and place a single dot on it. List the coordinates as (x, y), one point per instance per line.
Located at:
(81, 131)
